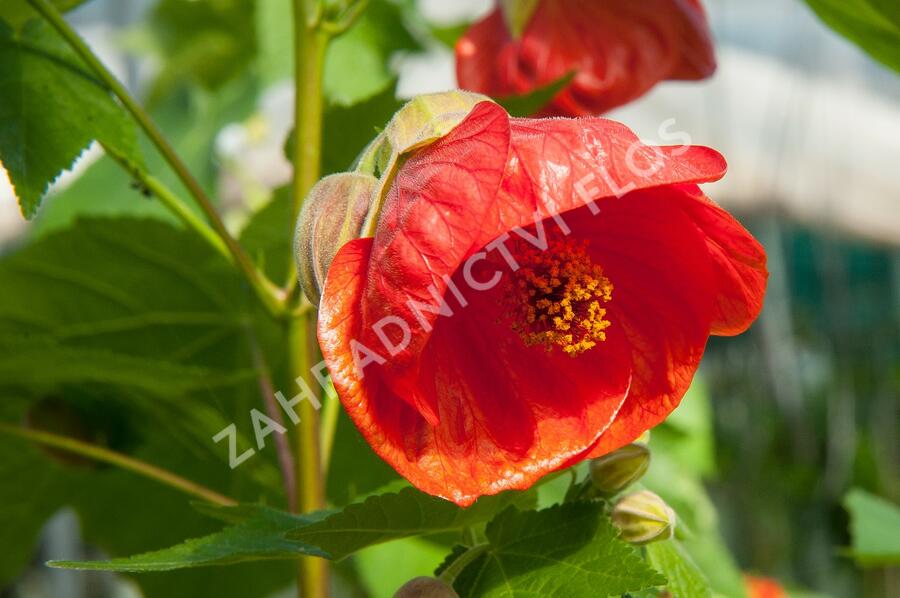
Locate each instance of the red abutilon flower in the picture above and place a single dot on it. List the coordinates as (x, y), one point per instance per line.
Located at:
(617, 50)
(537, 292)
(763, 587)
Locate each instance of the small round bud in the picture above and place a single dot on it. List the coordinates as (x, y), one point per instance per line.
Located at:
(612, 473)
(643, 517)
(425, 587)
(333, 213)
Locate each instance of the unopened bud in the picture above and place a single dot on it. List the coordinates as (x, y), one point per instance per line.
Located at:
(643, 517)
(333, 213)
(426, 587)
(612, 473)
(426, 118)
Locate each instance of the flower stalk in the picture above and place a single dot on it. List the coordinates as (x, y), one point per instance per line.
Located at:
(310, 43)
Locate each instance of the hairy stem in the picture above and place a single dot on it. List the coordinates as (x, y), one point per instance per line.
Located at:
(105, 455)
(268, 293)
(310, 44)
(313, 572)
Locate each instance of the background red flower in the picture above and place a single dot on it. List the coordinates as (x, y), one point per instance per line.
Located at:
(617, 49)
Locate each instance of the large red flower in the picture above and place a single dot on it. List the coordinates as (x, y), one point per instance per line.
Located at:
(517, 311)
(618, 50)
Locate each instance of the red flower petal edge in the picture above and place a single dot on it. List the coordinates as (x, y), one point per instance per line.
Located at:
(537, 292)
(618, 50)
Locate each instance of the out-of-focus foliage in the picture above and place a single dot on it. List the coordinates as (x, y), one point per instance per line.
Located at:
(875, 527)
(18, 12)
(873, 25)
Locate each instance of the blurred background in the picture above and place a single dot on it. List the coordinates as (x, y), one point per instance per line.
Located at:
(783, 420)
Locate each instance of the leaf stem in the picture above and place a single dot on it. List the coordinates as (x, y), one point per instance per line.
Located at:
(168, 198)
(268, 293)
(106, 455)
(450, 574)
(282, 446)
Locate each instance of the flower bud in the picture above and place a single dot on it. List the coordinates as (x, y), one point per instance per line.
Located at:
(333, 213)
(426, 587)
(420, 122)
(612, 473)
(643, 517)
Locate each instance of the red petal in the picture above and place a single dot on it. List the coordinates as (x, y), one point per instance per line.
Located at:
(664, 295)
(739, 262)
(619, 49)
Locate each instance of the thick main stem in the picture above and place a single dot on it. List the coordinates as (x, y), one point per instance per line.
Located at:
(313, 572)
(310, 44)
(268, 292)
(105, 455)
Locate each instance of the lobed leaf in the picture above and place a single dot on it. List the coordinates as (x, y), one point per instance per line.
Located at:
(51, 111)
(259, 536)
(685, 579)
(566, 551)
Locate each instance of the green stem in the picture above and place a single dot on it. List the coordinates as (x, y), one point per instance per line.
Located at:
(331, 410)
(310, 44)
(105, 455)
(313, 572)
(174, 204)
(267, 291)
(450, 574)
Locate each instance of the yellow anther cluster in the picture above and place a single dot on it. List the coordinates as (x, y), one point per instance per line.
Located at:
(556, 297)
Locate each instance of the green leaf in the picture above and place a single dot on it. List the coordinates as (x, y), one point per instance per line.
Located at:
(259, 536)
(136, 287)
(685, 579)
(260, 533)
(397, 515)
(348, 130)
(24, 364)
(268, 235)
(531, 103)
(18, 12)
(873, 25)
(875, 528)
(355, 469)
(51, 111)
(207, 42)
(567, 551)
(386, 567)
(686, 437)
(676, 481)
(145, 320)
(357, 64)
